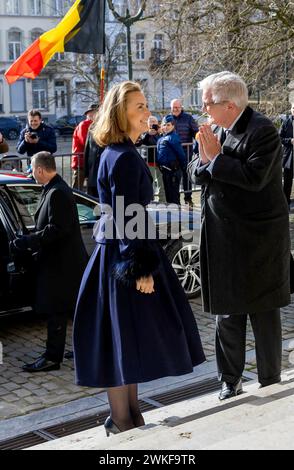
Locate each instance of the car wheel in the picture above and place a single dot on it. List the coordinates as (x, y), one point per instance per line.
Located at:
(12, 134)
(184, 259)
(57, 133)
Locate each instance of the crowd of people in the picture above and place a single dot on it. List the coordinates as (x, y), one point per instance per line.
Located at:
(132, 321)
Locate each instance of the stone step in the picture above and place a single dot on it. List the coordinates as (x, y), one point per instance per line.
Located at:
(257, 419)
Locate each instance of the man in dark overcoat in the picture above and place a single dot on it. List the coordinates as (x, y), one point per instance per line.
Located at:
(287, 138)
(245, 230)
(60, 256)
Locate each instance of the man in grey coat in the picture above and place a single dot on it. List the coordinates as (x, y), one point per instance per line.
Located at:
(245, 246)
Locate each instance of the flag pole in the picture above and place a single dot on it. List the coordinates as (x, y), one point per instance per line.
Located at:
(102, 79)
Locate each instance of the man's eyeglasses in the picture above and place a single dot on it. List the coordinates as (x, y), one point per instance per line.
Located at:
(212, 103)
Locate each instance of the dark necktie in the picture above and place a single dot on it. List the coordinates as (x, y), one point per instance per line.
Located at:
(224, 135)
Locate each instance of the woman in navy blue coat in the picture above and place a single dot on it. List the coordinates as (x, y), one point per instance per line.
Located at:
(133, 322)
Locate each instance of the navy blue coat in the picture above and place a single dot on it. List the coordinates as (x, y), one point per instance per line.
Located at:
(186, 127)
(170, 152)
(47, 140)
(122, 336)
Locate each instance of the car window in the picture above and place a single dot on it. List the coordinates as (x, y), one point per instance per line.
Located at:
(26, 199)
(72, 121)
(88, 211)
(13, 223)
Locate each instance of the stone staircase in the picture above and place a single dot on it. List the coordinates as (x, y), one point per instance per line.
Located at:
(260, 418)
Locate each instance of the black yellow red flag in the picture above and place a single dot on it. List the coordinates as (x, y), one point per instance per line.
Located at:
(82, 30)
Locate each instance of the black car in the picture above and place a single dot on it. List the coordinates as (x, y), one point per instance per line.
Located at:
(66, 125)
(10, 127)
(19, 197)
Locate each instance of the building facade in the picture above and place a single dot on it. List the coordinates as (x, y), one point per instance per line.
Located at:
(21, 22)
(150, 49)
(58, 90)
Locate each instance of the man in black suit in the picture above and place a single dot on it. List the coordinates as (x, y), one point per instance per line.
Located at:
(60, 255)
(245, 246)
(286, 134)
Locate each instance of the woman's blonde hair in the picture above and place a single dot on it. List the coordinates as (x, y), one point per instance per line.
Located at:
(111, 125)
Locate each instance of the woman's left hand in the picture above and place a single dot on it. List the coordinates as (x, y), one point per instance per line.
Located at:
(145, 284)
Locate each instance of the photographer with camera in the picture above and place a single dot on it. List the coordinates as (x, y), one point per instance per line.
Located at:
(36, 136)
(149, 139)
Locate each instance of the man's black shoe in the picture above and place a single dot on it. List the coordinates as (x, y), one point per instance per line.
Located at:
(275, 381)
(69, 355)
(41, 365)
(230, 390)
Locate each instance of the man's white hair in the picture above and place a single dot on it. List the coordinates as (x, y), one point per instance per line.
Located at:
(153, 118)
(174, 100)
(226, 86)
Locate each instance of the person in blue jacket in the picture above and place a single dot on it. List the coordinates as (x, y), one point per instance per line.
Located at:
(36, 137)
(172, 159)
(133, 322)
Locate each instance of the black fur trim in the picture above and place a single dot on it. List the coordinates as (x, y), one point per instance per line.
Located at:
(141, 263)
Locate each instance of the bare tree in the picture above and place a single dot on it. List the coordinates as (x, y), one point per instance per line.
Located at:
(87, 68)
(128, 20)
(251, 37)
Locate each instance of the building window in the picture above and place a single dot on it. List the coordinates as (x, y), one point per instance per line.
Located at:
(176, 52)
(14, 45)
(35, 34)
(59, 56)
(121, 7)
(60, 94)
(40, 100)
(12, 7)
(121, 49)
(18, 97)
(35, 7)
(158, 41)
(196, 97)
(140, 46)
(58, 7)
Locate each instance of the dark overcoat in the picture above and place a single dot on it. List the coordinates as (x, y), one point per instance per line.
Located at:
(61, 254)
(122, 336)
(92, 156)
(245, 225)
(286, 134)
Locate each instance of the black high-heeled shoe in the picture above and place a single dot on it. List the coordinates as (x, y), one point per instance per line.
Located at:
(110, 427)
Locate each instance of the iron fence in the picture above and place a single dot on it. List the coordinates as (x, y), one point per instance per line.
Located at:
(20, 163)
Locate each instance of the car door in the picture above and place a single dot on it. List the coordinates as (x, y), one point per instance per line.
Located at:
(26, 197)
(89, 213)
(17, 287)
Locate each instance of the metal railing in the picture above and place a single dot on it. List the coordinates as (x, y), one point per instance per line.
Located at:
(21, 163)
(149, 155)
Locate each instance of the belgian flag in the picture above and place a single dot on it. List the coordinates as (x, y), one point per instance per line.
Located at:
(81, 30)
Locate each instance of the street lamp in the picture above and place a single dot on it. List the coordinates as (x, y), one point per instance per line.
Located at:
(159, 61)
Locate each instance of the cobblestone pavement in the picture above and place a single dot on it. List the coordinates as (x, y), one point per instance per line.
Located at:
(23, 339)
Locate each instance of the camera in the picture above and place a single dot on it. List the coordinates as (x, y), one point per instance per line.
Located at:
(155, 127)
(33, 135)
